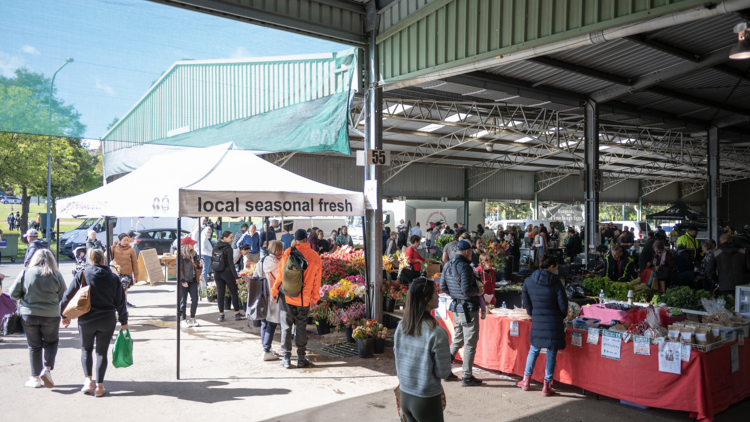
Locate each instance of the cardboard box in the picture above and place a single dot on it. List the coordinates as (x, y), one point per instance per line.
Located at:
(432, 270)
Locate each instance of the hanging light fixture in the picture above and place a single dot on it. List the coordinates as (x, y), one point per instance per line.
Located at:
(741, 50)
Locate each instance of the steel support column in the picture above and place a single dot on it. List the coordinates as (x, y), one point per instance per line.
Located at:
(591, 170)
(713, 188)
(640, 202)
(373, 140)
(536, 197)
(466, 199)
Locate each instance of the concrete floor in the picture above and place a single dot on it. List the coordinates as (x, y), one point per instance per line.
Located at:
(222, 375)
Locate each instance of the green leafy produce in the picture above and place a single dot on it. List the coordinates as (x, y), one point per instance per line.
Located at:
(511, 288)
(618, 290)
(444, 240)
(682, 297)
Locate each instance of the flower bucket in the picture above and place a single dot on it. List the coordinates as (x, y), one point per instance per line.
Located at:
(211, 299)
(379, 345)
(323, 327)
(365, 347)
(228, 303)
(349, 331)
(388, 304)
(256, 323)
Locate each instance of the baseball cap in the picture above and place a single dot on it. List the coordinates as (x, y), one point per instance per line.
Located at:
(300, 234)
(31, 233)
(463, 246)
(187, 240)
(693, 227)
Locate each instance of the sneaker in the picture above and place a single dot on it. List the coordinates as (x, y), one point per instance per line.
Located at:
(452, 377)
(88, 386)
(46, 377)
(221, 318)
(303, 363)
(239, 317)
(269, 356)
(130, 305)
(471, 382)
(33, 383)
(286, 363)
(194, 322)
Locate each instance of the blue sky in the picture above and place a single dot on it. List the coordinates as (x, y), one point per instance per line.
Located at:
(120, 47)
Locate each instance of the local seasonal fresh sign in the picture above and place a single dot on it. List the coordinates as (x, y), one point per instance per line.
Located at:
(270, 204)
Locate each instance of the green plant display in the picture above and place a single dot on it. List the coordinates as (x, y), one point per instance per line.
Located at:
(619, 290)
(682, 297)
(444, 240)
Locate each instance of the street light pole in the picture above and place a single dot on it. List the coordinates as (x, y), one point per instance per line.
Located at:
(49, 152)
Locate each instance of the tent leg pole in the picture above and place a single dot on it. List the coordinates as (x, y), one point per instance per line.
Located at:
(179, 285)
(57, 252)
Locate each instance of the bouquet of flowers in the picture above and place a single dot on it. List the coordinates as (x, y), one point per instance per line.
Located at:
(387, 264)
(368, 329)
(401, 294)
(333, 269)
(353, 314)
(320, 312)
(345, 290)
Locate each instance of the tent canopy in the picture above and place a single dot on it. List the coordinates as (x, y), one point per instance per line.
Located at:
(215, 181)
(678, 211)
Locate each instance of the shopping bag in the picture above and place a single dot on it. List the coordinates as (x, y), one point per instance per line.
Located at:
(257, 299)
(122, 353)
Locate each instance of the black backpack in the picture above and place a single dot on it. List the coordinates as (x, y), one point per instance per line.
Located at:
(217, 259)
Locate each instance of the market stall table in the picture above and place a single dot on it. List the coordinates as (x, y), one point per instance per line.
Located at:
(706, 386)
(605, 315)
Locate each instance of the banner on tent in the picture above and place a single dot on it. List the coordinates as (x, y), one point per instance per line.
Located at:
(217, 204)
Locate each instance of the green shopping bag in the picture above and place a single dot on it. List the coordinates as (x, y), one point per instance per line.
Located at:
(122, 353)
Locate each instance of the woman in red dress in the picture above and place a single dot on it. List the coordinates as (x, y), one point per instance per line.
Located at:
(487, 275)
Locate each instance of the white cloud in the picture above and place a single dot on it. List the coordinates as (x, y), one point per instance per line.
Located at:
(106, 88)
(241, 53)
(27, 49)
(8, 64)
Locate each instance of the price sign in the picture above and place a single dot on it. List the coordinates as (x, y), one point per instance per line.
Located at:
(577, 339)
(642, 345)
(685, 352)
(514, 328)
(611, 344)
(378, 157)
(593, 337)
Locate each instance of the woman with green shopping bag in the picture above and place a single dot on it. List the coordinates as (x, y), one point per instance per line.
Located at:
(96, 326)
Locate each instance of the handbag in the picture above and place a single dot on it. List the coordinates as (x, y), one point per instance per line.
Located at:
(257, 297)
(81, 302)
(11, 324)
(122, 353)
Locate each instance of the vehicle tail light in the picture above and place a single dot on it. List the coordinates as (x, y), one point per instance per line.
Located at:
(136, 241)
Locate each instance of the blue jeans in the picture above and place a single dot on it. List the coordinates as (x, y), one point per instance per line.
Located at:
(206, 266)
(549, 371)
(267, 330)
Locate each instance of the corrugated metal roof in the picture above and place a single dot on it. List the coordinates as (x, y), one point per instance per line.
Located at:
(704, 36)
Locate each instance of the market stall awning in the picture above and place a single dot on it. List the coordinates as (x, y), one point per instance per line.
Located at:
(678, 211)
(215, 181)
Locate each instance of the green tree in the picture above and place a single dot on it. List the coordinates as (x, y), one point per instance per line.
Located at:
(510, 210)
(113, 123)
(26, 130)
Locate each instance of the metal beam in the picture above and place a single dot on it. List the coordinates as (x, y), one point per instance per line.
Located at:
(713, 183)
(276, 20)
(592, 176)
(661, 76)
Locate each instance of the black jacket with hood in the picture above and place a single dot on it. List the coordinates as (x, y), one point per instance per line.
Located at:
(228, 254)
(106, 293)
(34, 246)
(732, 264)
(545, 300)
(459, 283)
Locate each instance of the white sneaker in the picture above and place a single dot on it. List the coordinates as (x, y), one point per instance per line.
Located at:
(88, 386)
(33, 383)
(269, 356)
(194, 322)
(46, 377)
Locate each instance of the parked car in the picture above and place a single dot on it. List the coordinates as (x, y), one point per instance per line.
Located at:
(159, 239)
(11, 200)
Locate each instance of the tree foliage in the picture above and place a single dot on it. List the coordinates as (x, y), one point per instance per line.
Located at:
(24, 149)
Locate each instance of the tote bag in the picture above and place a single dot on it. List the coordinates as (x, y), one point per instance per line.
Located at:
(81, 302)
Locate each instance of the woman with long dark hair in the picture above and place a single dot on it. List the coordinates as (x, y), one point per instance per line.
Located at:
(96, 326)
(225, 275)
(422, 353)
(545, 300)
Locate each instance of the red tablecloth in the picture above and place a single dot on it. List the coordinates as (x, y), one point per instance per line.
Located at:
(705, 387)
(606, 315)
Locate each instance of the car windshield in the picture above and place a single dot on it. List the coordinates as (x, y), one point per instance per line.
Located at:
(87, 223)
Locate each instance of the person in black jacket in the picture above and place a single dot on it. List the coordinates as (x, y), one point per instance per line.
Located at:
(545, 300)
(459, 283)
(513, 250)
(98, 324)
(619, 266)
(92, 242)
(34, 245)
(647, 253)
(190, 267)
(574, 246)
(225, 274)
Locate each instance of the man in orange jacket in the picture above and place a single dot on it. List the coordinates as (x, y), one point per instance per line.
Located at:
(294, 310)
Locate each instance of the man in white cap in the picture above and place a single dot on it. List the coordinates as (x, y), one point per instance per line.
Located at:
(35, 244)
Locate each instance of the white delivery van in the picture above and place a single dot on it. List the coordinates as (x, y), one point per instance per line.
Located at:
(641, 228)
(77, 237)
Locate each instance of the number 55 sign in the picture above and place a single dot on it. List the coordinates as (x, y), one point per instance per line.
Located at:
(378, 157)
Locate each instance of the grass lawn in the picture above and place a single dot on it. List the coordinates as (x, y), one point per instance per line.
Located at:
(34, 209)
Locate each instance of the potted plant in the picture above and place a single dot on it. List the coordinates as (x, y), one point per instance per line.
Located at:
(350, 317)
(365, 338)
(211, 294)
(380, 333)
(320, 314)
(389, 303)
